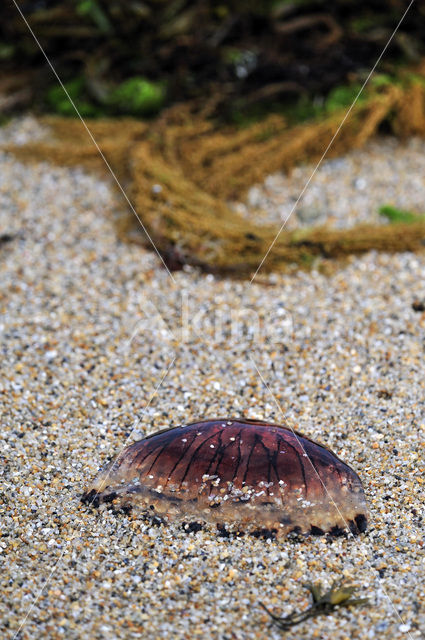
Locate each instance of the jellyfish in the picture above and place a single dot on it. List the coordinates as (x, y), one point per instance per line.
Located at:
(241, 475)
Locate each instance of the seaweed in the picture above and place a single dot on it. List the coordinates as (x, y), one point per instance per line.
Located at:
(182, 169)
(242, 54)
(324, 603)
(59, 102)
(137, 96)
(395, 215)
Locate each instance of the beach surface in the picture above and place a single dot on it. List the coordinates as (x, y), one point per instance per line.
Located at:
(101, 346)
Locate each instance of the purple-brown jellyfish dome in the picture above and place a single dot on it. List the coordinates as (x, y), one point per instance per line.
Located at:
(241, 474)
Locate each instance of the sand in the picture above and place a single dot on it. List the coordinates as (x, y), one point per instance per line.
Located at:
(385, 172)
(95, 355)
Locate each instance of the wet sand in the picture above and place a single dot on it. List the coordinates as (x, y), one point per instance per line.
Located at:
(94, 357)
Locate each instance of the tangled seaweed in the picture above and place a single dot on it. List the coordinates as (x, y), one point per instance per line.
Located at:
(324, 603)
(182, 170)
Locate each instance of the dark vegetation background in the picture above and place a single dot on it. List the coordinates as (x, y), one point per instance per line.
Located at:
(244, 89)
(240, 57)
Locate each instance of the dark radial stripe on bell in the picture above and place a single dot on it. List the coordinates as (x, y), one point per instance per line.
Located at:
(196, 459)
(179, 460)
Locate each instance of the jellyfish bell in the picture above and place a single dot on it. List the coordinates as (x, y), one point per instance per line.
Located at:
(240, 474)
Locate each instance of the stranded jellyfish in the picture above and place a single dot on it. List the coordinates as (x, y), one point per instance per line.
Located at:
(240, 474)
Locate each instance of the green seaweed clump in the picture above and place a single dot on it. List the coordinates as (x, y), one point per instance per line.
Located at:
(59, 103)
(138, 97)
(323, 603)
(395, 215)
(96, 14)
(342, 97)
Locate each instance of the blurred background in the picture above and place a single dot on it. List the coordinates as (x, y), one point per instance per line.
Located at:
(244, 57)
(216, 98)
